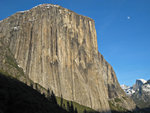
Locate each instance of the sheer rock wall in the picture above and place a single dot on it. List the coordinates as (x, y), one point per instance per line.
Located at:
(57, 49)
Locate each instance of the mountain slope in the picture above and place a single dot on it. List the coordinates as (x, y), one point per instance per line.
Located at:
(118, 100)
(139, 83)
(16, 97)
(142, 96)
(57, 49)
(140, 93)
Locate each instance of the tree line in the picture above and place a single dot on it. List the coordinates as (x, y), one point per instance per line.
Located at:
(52, 98)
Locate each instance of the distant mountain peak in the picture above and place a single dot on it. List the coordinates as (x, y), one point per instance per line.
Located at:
(128, 90)
(142, 80)
(140, 92)
(131, 90)
(123, 86)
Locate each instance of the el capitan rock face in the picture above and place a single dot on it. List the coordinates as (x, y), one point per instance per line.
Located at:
(57, 49)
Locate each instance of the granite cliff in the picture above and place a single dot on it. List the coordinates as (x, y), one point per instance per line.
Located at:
(57, 49)
(142, 96)
(140, 93)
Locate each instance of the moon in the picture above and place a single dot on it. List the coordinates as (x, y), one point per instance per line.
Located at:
(128, 17)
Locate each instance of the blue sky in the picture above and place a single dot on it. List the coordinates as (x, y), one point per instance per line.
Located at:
(123, 31)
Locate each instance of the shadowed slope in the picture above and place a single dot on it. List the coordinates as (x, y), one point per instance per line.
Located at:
(17, 97)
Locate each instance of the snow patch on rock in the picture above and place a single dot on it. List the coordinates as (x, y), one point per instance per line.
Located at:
(128, 90)
(146, 88)
(46, 5)
(142, 80)
(16, 28)
(23, 11)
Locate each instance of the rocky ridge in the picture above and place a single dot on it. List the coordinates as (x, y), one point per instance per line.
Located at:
(128, 90)
(57, 49)
(142, 96)
(139, 83)
(139, 92)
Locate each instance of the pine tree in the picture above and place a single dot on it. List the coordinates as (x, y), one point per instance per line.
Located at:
(36, 87)
(76, 111)
(68, 106)
(71, 108)
(53, 98)
(31, 85)
(61, 101)
(48, 94)
(43, 94)
(85, 111)
(64, 106)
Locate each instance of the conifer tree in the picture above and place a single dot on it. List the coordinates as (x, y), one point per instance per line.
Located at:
(31, 85)
(43, 94)
(85, 111)
(76, 111)
(36, 87)
(68, 106)
(71, 108)
(61, 101)
(64, 106)
(48, 94)
(53, 98)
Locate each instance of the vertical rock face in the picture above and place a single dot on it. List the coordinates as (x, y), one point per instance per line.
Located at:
(139, 83)
(142, 93)
(116, 95)
(57, 49)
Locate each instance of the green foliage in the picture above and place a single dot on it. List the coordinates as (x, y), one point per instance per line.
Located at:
(117, 100)
(115, 107)
(4, 73)
(68, 106)
(10, 60)
(79, 108)
(13, 64)
(71, 108)
(61, 101)
(76, 111)
(124, 98)
(85, 111)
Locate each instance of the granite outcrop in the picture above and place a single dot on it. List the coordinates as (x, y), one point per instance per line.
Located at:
(57, 49)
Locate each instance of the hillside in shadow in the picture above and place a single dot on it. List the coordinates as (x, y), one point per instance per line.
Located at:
(17, 97)
(144, 110)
